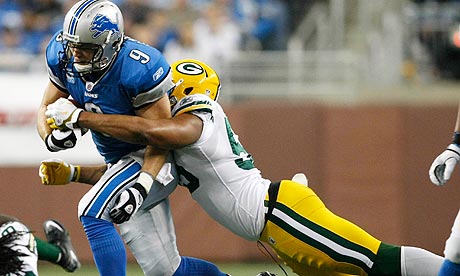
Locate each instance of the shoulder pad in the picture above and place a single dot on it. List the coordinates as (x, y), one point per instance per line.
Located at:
(54, 50)
(197, 102)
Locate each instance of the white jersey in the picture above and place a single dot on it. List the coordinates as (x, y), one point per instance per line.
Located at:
(219, 172)
(24, 243)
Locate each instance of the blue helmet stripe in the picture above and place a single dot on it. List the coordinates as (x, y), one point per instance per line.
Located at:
(77, 14)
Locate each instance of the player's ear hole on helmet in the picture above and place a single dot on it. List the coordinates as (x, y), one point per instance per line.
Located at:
(188, 90)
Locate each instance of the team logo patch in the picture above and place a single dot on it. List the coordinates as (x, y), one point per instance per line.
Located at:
(190, 68)
(102, 23)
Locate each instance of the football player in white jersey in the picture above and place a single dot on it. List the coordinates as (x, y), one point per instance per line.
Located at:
(221, 176)
(440, 172)
(20, 250)
(95, 64)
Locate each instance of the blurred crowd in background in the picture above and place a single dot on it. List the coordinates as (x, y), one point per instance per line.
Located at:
(436, 25)
(210, 30)
(216, 31)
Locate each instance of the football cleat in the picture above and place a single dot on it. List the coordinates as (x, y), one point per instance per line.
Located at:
(56, 234)
(266, 273)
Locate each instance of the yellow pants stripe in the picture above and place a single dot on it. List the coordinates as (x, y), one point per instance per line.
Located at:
(314, 241)
(328, 242)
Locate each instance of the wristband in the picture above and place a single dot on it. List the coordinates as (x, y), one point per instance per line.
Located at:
(456, 138)
(146, 180)
(164, 176)
(72, 122)
(75, 172)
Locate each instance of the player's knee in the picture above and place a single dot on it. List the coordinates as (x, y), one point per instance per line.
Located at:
(95, 227)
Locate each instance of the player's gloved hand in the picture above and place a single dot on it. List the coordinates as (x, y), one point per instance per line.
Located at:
(129, 201)
(61, 140)
(57, 172)
(62, 114)
(442, 167)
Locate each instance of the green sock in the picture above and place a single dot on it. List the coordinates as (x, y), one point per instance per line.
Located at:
(47, 251)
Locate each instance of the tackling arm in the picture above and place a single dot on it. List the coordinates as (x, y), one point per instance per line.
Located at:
(154, 158)
(457, 123)
(173, 133)
(130, 200)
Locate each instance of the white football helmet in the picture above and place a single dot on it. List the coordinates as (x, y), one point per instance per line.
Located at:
(92, 25)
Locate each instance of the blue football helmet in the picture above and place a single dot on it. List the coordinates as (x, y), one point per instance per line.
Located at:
(96, 27)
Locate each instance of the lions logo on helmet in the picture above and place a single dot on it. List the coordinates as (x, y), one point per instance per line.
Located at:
(102, 23)
(193, 77)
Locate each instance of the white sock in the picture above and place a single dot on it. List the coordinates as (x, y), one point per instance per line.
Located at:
(452, 249)
(419, 262)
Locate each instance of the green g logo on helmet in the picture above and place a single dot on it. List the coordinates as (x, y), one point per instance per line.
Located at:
(193, 77)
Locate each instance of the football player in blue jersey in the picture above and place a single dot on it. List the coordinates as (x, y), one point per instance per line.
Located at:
(102, 70)
(221, 176)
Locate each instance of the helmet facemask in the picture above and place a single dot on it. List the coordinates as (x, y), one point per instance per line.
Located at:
(91, 54)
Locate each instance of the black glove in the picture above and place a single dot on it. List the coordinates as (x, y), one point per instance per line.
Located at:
(128, 203)
(62, 140)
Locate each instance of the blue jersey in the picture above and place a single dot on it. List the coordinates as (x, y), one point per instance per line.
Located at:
(138, 76)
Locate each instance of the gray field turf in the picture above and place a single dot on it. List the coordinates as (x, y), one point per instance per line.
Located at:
(235, 269)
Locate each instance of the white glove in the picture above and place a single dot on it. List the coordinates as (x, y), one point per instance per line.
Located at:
(62, 114)
(131, 199)
(61, 140)
(128, 203)
(442, 167)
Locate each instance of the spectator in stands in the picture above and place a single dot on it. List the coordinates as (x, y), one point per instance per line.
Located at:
(217, 36)
(264, 23)
(212, 37)
(183, 44)
(36, 31)
(136, 12)
(159, 28)
(9, 10)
